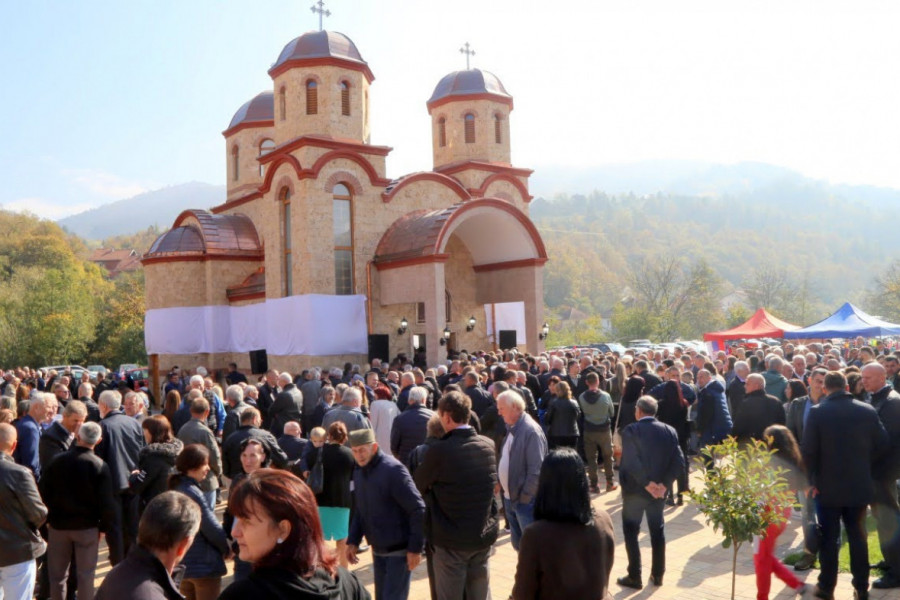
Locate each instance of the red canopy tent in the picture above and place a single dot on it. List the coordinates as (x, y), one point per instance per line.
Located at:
(761, 324)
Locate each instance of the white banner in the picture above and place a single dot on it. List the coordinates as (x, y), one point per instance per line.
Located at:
(313, 325)
(510, 316)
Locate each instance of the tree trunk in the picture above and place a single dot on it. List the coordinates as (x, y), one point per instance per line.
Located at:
(734, 568)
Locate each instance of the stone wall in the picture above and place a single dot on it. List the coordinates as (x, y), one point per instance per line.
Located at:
(485, 146)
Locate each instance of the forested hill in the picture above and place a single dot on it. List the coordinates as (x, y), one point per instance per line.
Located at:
(826, 243)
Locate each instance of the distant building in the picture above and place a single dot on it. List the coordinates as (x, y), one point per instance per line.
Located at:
(116, 261)
(317, 255)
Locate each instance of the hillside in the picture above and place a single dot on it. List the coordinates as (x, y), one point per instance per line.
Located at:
(131, 215)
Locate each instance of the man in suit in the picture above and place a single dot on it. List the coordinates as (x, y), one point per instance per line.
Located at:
(651, 460)
(288, 405)
(120, 446)
(886, 472)
(841, 440)
(797, 416)
(736, 390)
(758, 411)
(267, 393)
(196, 431)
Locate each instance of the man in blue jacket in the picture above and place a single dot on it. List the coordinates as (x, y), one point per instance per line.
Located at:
(651, 460)
(713, 418)
(390, 512)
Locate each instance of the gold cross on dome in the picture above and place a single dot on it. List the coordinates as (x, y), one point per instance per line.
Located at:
(468, 52)
(319, 7)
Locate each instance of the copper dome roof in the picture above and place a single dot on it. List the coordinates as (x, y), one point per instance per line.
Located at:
(199, 232)
(320, 45)
(466, 83)
(260, 109)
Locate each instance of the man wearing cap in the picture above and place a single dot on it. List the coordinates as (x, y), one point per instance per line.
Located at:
(390, 512)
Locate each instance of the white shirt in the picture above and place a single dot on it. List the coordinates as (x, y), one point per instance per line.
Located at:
(382, 414)
(503, 467)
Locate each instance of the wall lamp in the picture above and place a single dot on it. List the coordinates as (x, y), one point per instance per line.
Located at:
(404, 325)
(545, 331)
(446, 336)
(471, 324)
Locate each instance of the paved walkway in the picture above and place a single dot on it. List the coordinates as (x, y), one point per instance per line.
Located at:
(697, 567)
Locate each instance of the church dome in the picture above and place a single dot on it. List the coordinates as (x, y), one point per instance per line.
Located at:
(468, 83)
(261, 110)
(316, 46)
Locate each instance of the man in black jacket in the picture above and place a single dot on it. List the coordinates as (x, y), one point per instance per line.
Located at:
(288, 405)
(842, 439)
(758, 411)
(737, 391)
(120, 447)
(167, 529)
(250, 427)
(267, 393)
(410, 427)
(481, 399)
(77, 489)
(457, 480)
(649, 377)
(886, 472)
(651, 460)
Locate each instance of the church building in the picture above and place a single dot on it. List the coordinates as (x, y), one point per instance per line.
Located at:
(318, 257)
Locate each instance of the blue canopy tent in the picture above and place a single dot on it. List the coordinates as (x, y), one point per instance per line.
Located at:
(847, 322)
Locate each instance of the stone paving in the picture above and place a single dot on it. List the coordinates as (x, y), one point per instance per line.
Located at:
(697, 567)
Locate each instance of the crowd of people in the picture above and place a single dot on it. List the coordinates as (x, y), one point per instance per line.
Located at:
(407, 463)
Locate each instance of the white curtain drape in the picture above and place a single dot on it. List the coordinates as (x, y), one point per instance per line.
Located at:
(510, 315)
(313, 324)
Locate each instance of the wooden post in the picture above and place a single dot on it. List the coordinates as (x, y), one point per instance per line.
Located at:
(154, 384)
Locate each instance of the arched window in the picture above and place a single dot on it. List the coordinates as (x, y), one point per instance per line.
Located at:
(343, 240)
(442, 132)
(312, 97)
(498, 129)
(470, 128)
(345, 99)
(287, 278)
(282, 103)
(234, 163)
(265, 147)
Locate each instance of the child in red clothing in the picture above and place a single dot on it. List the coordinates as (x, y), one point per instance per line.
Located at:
(787, 456)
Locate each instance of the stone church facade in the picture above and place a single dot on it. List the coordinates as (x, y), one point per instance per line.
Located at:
(311, 211)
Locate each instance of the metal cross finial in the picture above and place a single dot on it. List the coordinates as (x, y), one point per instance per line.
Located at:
(468, 52)
(319, 7)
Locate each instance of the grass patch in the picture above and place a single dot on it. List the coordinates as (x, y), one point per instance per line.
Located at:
(844, 555)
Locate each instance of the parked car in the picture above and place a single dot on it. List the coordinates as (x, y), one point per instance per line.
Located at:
(605, 347)
(97, 371)
(141, 378)
(75, 370)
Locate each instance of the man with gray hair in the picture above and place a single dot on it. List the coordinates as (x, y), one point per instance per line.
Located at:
(235, 405)
(775, 380)
(651, 460)
(77, 489)
(120, 446)
(737, 388)
(348, 413)
(309, 389)
(29, 432)
(86, 395)
(521, 456)
(23, 512)
(288, 405)
(410, 428)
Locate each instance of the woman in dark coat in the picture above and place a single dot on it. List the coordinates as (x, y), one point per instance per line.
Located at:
(204, 561)
(277, 527)
(334, 499)
(567, 552)
(562, 418)
(634, 385)
(156, 460)
(673, 410)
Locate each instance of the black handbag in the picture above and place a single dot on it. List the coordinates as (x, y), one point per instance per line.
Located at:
(316, 481)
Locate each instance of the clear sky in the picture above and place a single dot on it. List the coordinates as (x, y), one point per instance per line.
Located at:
(104, 99)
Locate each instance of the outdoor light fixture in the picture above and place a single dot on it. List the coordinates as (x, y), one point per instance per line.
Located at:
(446, 336)
(471, 324)
(544, 331)
(404, 324)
